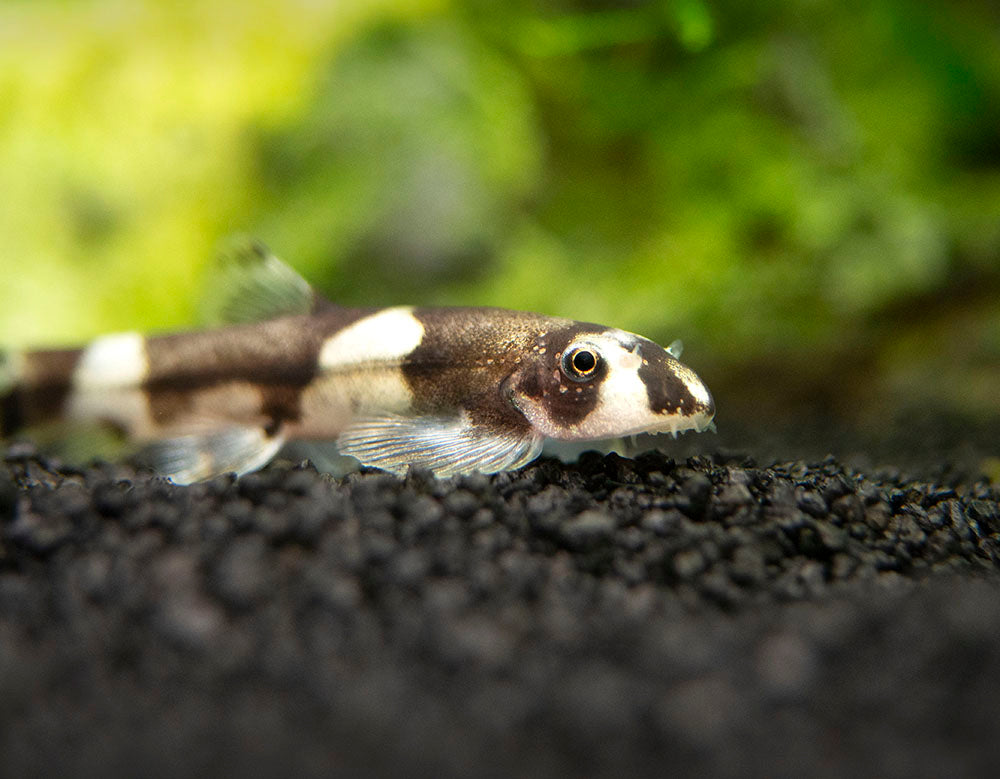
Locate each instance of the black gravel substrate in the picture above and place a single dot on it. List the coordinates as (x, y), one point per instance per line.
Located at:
(610, 618)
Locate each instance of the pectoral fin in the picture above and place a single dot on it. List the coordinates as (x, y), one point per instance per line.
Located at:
(446, 446)
(190, 458)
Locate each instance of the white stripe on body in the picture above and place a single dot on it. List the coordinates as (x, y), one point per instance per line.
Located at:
(360, 373)
(106, 383)
(387, 336)
(112, 361)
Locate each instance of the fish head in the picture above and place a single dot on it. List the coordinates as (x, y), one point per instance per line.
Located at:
(585, 383)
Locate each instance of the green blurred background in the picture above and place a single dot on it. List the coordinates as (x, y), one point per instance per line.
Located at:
(807, 192)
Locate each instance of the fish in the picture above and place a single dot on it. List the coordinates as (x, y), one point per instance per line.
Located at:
(453, 390)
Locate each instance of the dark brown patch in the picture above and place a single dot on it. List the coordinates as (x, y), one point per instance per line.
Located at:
(44, 388)
(281, 403)
(479, 358)
(566, 400)
(467, 357)
(667, 392)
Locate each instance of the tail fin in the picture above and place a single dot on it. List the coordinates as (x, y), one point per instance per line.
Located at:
(11, 366)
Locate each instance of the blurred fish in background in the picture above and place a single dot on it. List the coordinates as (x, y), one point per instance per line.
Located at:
(807, 192)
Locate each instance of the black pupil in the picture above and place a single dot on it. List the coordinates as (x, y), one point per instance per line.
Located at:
(584, 361)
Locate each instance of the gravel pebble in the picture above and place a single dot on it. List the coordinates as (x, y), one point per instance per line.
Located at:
(605, 618)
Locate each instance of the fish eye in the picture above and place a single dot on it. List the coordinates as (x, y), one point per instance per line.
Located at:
(580, 363)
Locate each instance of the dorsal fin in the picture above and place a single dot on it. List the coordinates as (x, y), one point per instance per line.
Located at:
(248, 283)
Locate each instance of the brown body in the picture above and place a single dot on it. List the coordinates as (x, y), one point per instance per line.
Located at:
(454, 389)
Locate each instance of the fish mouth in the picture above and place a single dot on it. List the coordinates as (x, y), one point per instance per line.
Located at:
(676, 425)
